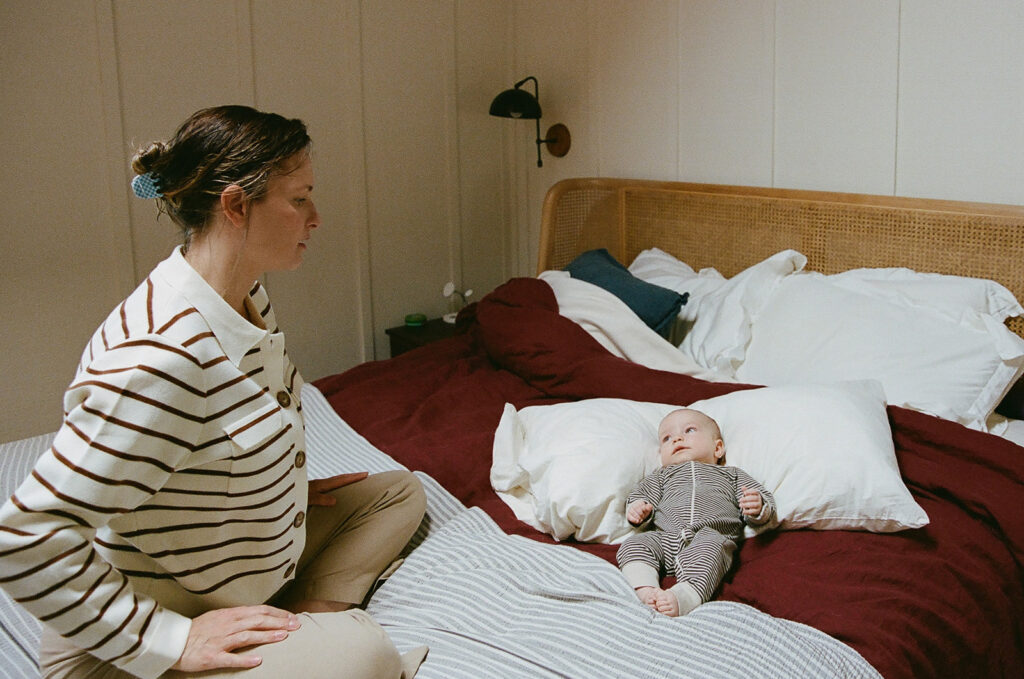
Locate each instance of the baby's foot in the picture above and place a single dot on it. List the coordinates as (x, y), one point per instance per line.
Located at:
(665, 602)
(647, 594)
(679, 600)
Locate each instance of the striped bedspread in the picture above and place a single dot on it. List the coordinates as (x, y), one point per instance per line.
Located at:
(19, 631)
(490, 605)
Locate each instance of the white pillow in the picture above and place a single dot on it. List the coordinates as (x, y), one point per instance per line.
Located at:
(939, 291)
(566, 469)
(948, 294)
(825, 452)
(654, 262)
(721, 329)
(815, 330)
(660, 268)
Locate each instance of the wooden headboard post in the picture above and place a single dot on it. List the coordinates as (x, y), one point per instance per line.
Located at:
(733, 227)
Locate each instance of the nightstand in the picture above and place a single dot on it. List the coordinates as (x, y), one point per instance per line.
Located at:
(406, 337)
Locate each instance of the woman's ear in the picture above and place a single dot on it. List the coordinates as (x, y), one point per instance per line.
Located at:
(234, 205)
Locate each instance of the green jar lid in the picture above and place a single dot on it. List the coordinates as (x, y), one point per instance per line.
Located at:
(415, 319)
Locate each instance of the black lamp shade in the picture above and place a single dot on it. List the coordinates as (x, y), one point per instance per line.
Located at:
(515, 104)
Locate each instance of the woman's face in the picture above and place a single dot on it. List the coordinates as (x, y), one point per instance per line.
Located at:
(282, 221)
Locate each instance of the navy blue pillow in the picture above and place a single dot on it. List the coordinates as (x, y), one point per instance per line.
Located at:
(657, 306)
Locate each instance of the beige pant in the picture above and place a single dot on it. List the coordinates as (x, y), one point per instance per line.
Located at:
(348, 546)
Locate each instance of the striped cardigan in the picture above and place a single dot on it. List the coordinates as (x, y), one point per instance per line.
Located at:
(176, 484)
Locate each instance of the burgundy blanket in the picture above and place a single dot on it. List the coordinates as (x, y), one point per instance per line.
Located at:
(942, 601)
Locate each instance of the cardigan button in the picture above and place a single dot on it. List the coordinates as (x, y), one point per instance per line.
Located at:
(300, 460)
(284, 399)
(299, 518)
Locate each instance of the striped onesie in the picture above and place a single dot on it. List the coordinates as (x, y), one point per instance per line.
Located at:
(696, 522)
(177, 483)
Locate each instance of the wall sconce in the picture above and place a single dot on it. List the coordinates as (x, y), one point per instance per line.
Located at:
(517, 103)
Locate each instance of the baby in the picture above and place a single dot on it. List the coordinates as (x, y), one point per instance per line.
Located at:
(698, 508)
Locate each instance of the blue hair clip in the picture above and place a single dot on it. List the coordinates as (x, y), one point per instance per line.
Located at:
(146, 186)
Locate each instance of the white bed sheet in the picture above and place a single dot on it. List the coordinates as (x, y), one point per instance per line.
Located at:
(1014, 431)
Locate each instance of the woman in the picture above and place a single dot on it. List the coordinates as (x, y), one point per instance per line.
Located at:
(174, 503)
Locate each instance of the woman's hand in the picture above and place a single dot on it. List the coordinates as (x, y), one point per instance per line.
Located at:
(216, 633)
(319, 488)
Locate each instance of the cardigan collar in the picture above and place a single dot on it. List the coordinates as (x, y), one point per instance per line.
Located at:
(235, 334)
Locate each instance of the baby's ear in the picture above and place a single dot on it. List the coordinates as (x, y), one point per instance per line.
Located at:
(719, 451)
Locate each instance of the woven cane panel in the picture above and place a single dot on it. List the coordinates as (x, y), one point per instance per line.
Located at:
(731, 228)
(584, 219)
(705, 230)
(732, 232)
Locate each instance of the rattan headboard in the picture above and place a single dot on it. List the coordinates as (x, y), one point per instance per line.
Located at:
(733, 227)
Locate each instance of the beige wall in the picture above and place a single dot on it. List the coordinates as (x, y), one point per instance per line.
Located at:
(416, 183)
(915, 97)
(409, 165)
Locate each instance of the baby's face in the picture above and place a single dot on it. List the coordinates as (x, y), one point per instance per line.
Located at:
(686, 435)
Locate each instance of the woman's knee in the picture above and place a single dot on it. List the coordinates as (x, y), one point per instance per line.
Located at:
(407, 490)
(348, 645)
(375, 656)
(406, 481)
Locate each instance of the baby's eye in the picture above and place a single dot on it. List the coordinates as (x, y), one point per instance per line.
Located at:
(690, 429)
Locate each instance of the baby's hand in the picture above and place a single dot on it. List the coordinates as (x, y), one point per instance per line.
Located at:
(750, 502)
(638, 511)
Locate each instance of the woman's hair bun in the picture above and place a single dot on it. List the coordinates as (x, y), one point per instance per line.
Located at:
(146, 158)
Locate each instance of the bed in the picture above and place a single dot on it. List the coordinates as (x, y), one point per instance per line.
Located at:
(899, 553)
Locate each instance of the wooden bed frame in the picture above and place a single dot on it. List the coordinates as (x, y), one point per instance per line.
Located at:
(733, 227)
